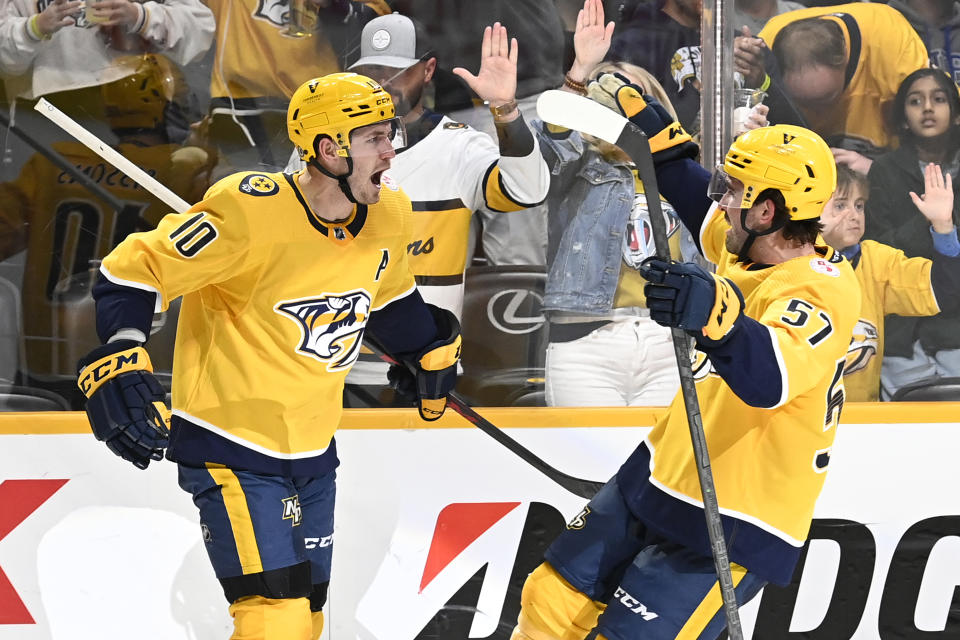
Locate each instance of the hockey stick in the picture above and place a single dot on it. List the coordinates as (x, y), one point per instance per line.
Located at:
(64, 165)
(577, 486)
(111, 155)
(582, 114)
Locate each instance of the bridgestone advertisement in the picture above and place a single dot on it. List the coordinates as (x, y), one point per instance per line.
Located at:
(436, 530)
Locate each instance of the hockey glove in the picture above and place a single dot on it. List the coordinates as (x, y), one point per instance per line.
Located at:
(683, 295)
(125, 402)
(668, 140)
(428, 376)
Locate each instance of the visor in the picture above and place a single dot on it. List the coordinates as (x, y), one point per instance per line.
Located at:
(397, 137)
(722, 189)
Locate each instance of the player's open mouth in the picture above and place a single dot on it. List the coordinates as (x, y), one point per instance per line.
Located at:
(375, 178)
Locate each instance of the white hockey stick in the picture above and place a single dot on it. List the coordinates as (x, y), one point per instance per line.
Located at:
(576, 112)
(112, 156)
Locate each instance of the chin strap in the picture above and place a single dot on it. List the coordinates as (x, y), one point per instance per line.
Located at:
(752, 235)
(341, 180)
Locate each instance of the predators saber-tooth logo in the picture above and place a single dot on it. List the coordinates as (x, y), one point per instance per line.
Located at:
(275, 11)
(331, 326)
(864, 345)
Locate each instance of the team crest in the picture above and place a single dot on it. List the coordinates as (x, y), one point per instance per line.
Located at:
(274, 11)
(257, 184)
(701, 365)
(638, 242)
(292, 511)
(863, 346)
(331, 326)
(580, 520)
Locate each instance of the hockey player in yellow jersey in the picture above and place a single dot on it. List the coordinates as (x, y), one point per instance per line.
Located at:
(280, 275)
(448, 169)
(771, 330)
(65, 228)
(890, 282)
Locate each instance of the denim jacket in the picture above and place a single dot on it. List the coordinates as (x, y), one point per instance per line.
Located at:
(589, 204)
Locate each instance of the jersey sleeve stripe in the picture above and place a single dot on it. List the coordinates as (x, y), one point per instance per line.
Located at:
(157, 306)
(495, 193)
(438, 205)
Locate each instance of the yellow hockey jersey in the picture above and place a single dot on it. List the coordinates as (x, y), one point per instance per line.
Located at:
(64, 227)
(769, 457)
(274, 306)
(883, 49)
(256, 58)
(890, 282)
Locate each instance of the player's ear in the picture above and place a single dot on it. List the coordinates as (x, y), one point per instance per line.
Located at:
(326, 150)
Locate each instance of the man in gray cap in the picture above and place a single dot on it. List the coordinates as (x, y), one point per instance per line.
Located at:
(448, 169)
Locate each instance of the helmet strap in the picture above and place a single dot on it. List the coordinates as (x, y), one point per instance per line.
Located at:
(341, 179)
(753, 235)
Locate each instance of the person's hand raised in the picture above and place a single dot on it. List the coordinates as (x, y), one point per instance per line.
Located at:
(936, 203)
(591, 39)
(496, 83)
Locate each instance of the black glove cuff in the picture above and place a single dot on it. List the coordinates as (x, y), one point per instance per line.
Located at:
(678, 152)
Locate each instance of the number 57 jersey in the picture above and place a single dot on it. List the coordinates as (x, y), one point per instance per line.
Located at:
(770, 407)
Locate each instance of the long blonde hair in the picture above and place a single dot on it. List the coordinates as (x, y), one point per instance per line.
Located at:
(650, 86)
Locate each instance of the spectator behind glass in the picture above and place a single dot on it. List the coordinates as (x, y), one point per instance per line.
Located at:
(834, 70)
(890, 282)
(754, 14)
(66, 229)
(261, 58)
(52, 47)
(926, 117)
(938, 24)
(604, 350)
(454, 28)
(663, 36)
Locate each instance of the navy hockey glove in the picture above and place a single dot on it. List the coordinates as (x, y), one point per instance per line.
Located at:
(668, 140)
(125, 402)
(428, 376)
(683, 295)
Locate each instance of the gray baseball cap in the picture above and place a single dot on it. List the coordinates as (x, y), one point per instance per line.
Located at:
(393, 41)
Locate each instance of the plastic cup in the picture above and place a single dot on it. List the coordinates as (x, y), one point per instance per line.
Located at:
(88, 13)
(744, 100)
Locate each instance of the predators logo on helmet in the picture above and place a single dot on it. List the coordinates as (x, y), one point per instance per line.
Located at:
(334, 106)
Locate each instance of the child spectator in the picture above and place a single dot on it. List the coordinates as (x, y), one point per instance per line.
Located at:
(926, 116)
(890, 282)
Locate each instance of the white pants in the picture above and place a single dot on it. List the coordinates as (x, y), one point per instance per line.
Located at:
(898, 372)
(629, 362)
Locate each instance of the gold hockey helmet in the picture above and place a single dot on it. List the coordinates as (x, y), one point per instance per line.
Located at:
(140, 100)
(793, 160)
(335, 105)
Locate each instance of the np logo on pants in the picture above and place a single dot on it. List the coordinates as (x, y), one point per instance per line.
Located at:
(291, 510)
